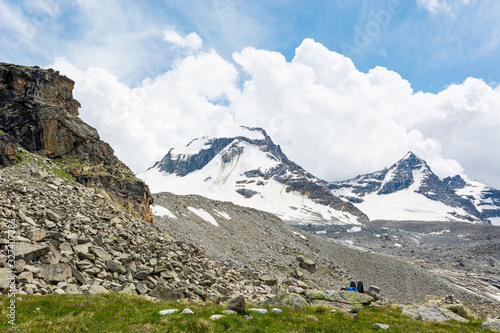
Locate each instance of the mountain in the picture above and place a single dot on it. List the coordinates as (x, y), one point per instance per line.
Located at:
(39, 114)
(250, 170)
(408, 190)
(485, 198)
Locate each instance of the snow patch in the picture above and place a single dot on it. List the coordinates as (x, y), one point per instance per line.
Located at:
(321, 232)
(222, 214)
(299, 234)
(494, 220)
(162, 212)
(354, 229)
(439, 232)
(204, 215)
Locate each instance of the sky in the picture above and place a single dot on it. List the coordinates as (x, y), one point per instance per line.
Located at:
(344, 87)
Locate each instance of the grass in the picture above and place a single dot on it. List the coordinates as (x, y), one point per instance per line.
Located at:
(125, 313)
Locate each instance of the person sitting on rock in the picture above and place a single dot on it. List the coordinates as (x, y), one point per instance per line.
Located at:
(353, 287)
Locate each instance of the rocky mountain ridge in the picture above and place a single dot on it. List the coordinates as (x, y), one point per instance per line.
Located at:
(485, 198)
(408, 190)
(39, 114)
(252, 171)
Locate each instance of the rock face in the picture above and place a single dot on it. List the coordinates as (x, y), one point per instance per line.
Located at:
(39, 114)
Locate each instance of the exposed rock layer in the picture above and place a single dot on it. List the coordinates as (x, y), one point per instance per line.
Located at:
(38, 113)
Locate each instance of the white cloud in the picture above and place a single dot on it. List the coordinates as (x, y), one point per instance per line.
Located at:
(441, 6)
(329, 117)
(191, 41)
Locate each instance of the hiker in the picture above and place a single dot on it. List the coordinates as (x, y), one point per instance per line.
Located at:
(353, 287)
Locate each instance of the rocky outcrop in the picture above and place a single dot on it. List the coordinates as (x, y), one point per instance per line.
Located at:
(38, 113)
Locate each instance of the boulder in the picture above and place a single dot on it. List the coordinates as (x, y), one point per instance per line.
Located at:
(491, 324)
(97, 289)
(434, 311)
(297, 273)
(164, 293)
(355, 298)
(313, 294)
(55, 272)
(31, 252)
(269, 280)
(36, 235)
(100, 253)
(308, 265)
(237, 304)
(287, 301)
(5, 274)
(115, 266)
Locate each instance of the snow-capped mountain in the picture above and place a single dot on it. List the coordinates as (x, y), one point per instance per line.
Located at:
(485, 198)
(250, 170)
(408, 190)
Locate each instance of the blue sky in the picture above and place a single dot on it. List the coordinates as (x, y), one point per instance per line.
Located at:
(430, 46)
(434, 91)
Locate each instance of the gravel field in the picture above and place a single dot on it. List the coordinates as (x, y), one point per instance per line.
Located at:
(406, 261)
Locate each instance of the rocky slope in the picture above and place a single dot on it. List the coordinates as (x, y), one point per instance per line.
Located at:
(68, 239)
(250, 170)
(408, 190)
(39, 114)
(252, 238)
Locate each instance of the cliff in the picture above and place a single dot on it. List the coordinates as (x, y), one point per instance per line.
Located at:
(38, 113)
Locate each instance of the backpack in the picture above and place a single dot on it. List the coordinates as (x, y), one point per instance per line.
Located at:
(351, 289)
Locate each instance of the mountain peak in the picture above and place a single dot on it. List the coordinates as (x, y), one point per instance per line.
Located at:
(250, 170)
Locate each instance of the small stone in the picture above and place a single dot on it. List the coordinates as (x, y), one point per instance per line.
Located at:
(59, 291)
(261, 311)
(246, 317)
(229, 312)
(216, 316)
(168, 311)
(276, 311)
(380, 326)
(187, 311)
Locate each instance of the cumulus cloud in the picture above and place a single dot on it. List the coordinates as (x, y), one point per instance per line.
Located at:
(328, 116)
(191, 41)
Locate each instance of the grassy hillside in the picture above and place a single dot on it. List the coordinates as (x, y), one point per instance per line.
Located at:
(124, 313)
